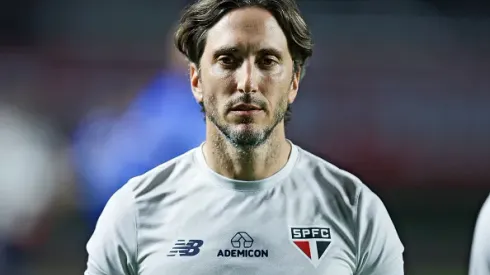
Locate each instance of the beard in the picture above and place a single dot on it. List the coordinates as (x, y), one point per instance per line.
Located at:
(250, 136)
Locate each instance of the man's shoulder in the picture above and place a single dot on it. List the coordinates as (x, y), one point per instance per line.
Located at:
(334, 179)
(163, 177)
(379, 247)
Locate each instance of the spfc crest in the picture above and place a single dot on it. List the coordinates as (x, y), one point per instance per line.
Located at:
(313, 242)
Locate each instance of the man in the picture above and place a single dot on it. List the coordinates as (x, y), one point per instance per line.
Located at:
(480, 250)
(247, 201)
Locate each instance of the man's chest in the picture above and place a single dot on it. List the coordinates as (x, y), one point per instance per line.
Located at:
(244, 240)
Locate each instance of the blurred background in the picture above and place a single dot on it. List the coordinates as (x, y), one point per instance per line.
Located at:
(93, 93)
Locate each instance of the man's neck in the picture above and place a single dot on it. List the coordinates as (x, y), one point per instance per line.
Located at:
(247, 164)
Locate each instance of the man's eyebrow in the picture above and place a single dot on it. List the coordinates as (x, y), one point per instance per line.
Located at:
(225, 50)
(231, 50)
(270, 51)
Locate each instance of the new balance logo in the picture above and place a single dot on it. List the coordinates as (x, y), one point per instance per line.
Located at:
(182, 248)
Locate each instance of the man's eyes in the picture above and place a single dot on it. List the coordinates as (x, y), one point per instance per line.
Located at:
(227, 60)
(263, 62)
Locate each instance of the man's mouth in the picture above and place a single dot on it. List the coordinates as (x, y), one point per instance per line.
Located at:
(245, 107)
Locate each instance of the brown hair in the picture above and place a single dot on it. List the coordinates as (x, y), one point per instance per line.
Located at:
(198, 18)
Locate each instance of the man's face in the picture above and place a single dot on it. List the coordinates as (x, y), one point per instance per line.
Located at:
(246, 79)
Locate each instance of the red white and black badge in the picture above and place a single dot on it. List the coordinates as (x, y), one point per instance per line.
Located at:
(313, 242)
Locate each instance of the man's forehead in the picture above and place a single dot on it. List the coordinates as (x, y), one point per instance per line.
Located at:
(246, 31)
(248, 19)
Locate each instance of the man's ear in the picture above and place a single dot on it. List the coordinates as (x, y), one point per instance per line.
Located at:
(195, 82)
(293, 90)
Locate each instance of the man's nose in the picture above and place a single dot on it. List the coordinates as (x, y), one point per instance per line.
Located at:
(247, 77)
